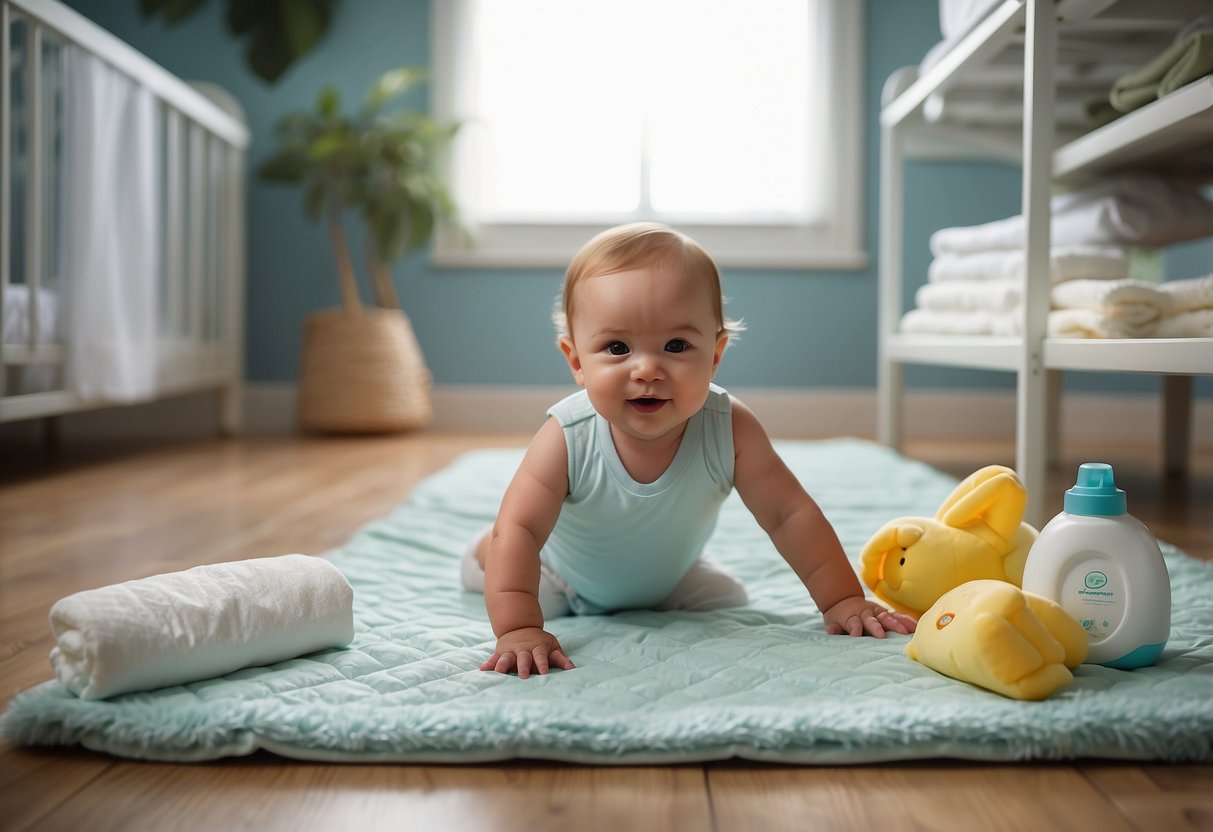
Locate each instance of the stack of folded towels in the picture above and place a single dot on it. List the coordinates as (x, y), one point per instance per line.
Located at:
(975, 283)
(1133, 309)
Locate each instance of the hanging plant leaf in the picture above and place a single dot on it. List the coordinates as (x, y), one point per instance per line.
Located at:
(244, 17)
(282, 31)
(304, 23)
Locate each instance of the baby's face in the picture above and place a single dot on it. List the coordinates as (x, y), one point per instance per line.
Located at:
(645, 344)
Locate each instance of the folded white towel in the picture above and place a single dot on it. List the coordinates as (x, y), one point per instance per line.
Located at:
(1090, 323)
(1196, 323)
(1128, 210)
(953, 322)
(1063, 323)
(204, 622)
(1065, 263)
(1193, 293)
(1129, 301)
(969, 295)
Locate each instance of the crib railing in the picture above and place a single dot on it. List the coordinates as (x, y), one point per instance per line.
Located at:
(199, 293)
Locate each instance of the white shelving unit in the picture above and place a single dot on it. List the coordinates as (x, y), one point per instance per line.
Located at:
(1044, 52)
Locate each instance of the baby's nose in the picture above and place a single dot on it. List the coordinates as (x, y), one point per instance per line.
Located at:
(647, 367)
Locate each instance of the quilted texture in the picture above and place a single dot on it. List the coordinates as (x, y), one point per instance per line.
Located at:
(763, 682)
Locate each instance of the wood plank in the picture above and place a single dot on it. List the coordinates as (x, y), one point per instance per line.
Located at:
(1155, 797)
(266, 793)
(34, 782)
(932, 795)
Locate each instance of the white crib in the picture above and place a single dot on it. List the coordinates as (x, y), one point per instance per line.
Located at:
(80, 334)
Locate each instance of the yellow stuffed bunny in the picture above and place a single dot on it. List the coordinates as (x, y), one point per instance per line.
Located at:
(977, 534)
(997, 636)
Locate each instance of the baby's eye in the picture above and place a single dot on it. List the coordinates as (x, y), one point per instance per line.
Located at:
(617, 348)
(677, 345)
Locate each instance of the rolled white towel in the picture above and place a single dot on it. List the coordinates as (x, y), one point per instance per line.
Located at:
(204, 622)
(1065, 263)
(1190, 294)
(1131, 302)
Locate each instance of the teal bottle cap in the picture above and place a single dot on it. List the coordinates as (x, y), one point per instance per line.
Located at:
(1095, 493)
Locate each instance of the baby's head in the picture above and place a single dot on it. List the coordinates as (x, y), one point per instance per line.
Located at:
(641, 245)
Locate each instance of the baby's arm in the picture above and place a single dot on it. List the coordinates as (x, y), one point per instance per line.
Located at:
(511, 577)
(803, 535)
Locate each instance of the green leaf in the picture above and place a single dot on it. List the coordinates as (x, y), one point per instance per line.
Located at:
(421, 223)
(268, 54)
(392, 84)
(303, 25)
(244, 16)
(328, 102)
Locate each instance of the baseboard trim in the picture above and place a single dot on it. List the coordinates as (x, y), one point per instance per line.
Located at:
(269, 409)
(823, 412)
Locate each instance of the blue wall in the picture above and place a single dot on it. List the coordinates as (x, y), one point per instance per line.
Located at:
(806, 329)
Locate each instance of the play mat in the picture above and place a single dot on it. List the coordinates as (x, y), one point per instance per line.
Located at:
(762, 682)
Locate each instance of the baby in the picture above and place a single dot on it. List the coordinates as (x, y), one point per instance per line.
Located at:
(620, 489)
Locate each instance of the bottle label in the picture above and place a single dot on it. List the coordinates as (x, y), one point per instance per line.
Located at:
(1093, 594)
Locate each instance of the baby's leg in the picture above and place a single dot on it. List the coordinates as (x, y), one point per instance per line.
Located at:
(552, 598)
(706, 586)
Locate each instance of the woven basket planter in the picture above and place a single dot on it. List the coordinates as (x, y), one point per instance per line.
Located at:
(362, 372)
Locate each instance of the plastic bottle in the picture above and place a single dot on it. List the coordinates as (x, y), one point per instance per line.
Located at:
(1105, 569)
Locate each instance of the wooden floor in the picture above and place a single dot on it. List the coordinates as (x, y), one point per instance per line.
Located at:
(100, 513)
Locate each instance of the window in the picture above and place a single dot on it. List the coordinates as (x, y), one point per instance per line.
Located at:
(737, 122)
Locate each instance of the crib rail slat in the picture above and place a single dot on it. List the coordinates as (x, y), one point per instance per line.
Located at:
(6, 120)
(174, 233)
(232, 317)
(34, 176)
(197, 233)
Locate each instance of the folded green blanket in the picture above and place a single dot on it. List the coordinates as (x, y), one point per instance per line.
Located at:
(1182, 63)
(763, 682)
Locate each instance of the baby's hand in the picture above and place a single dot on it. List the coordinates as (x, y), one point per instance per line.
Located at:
(856, 615)
(526, 648)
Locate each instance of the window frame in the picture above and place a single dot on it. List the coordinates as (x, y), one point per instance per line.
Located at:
(837, 243)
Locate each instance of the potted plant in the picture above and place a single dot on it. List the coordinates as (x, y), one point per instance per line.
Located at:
(361, 369)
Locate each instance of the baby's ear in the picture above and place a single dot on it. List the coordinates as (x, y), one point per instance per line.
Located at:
(570, 355)
(721, 343)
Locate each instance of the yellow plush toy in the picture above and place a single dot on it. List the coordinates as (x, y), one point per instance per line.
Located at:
(995, 635)
(959, 574)
(977, 534)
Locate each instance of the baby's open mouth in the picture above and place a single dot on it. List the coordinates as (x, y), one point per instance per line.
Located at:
(646, 404)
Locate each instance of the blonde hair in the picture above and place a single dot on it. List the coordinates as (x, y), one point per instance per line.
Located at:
(632, 246)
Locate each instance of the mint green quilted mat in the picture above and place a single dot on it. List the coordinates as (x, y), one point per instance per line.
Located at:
(764, 682)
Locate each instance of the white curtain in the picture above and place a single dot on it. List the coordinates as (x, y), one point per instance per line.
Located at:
(111, 230)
